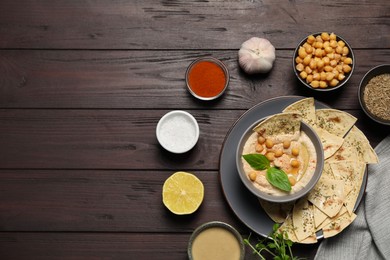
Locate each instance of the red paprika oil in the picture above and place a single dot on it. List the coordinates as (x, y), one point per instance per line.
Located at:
(206, 79)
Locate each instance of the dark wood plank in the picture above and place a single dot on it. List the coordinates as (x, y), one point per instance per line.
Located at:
(116, 139)
(152, 79)
(121, 201)
(127, 246)
(187, 24)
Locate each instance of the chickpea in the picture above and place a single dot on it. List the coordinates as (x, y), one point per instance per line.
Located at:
(298, 60)
(341, 77)
(278, 153)
(307, 60)
(315, 83)
(320, 64)
(270, 156)
(252, 176)
(323, 76)
(333, 43)
(259, 148)
(292, 180)
(325, 36)
(310, 39)
(333, 83)
(295, 151)
(308, 70)
(295, 163)
(309, 78)
(341, 43)
(323, 84)
(286, 144)
(346, 68)
(347, 61)
(269, 143)
(261, 139)
(303, 74)
(316, 76)
(332, 36)
(302, 52)
(329, 76)
(299, 67)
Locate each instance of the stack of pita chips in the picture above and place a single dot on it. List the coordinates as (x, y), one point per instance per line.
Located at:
(329, 207)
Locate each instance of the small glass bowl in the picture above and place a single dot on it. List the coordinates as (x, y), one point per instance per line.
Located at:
(342, 82)
(217, 62)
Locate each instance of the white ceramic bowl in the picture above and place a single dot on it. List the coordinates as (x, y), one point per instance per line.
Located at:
(177, 131)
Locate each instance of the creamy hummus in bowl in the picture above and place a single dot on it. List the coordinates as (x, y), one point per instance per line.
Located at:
(297, 152)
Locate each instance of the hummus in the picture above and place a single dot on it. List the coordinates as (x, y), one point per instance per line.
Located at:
(299, 175)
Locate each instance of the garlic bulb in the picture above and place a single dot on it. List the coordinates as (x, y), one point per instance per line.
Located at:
(256, 55)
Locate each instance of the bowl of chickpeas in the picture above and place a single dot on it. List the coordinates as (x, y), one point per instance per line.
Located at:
(323, 61)
(300, 159)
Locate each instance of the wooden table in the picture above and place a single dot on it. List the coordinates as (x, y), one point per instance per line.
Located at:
(84, 83)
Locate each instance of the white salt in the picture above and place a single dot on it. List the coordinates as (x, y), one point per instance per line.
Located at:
(177, 133)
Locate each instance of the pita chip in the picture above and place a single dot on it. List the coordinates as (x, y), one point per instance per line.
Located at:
(287, 125)
(335, 121)
(357, 140)
(303, 219)
(330, 142)
(278, 212)
(306, 108)
(337, 225)
(328, 195)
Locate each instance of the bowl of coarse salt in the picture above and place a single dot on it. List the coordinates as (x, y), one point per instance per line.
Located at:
(177, 131)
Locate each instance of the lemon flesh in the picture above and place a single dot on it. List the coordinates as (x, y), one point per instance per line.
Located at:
(182, 193)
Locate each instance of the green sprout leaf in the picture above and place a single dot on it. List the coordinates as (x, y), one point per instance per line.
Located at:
(278, 179)
(257, 161)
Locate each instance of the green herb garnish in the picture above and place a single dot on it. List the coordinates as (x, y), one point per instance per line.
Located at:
(275, 176)
(276, 244)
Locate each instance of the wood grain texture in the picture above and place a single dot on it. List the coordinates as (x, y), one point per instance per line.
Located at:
(187, 24)
(106, 79)
(84, 83)
(129, 246)
(116, 139)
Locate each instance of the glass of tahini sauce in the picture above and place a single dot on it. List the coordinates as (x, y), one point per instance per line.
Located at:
(207, 78)
(216, 241)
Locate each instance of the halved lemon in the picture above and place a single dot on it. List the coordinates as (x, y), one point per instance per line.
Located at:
(182, 193)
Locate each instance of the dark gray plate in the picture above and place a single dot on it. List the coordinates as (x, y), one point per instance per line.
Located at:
(244, 204)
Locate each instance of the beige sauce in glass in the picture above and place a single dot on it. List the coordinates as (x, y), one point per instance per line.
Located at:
(215, 243)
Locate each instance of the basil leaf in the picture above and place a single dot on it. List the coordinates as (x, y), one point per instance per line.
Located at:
(257, 161)
(278, 179)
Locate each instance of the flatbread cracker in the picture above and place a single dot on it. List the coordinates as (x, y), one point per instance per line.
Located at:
(319, 217)
(328, 195)
(283, 125)
(344, 153)
(306, 108)
(330, 142)
(337, 225)
(303, 219)
(288, 227)
(335, 121)
(356, 139)
(278, 212)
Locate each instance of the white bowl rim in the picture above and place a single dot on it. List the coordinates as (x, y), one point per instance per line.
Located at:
(171, 114)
